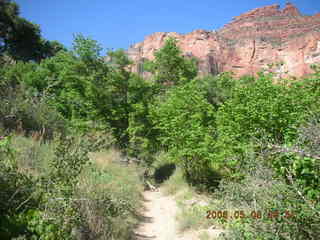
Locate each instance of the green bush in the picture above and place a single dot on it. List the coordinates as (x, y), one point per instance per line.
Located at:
(299, 162)
(17, 192)
(143, 142)
(22, 110)
(185, 121)
(285, 212)
(169, 69)
(218, 89)
(260, 110)
(40, 204)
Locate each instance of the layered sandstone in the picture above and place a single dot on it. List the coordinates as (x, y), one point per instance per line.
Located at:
(248, 44)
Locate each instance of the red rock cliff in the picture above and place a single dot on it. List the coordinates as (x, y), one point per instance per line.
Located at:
(247, 44)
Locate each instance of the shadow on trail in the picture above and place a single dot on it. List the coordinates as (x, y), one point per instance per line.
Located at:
(164, 172)
(142, 219)
(142, 237)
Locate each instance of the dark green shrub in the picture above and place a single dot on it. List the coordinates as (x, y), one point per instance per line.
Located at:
(143, 141)
(218, 89)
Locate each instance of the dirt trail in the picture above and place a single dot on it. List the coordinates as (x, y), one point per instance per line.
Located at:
(159, 217)
(159, 221)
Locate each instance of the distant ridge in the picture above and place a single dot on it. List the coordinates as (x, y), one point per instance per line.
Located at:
(247, 44)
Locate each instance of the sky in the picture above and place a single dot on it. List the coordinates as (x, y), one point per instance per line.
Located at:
(121, 23)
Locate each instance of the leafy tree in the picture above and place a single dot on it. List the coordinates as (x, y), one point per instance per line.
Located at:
(260, 110)
(50, 48)
(110, 96)
(185, 121)
(217, 89)
(169, 66)
(88, 50)
(82, 86)
(20, 38)
(143, 137)
(65, 81)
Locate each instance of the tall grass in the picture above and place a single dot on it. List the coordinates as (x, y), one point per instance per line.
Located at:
(32, 156)
(105, 200)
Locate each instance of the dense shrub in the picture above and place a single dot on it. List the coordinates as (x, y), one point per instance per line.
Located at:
(26, 113)
(38, 203)
(143, 142)
(218, 89)
(16, 193)
(299, 162)
(260, 110)
(170, 69)
(285, 212)
(185, 121)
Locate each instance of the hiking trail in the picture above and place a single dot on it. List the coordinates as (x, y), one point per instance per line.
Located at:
(159, 219)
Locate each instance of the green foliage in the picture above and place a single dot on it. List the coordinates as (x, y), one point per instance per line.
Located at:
(217, 89)
(20, 38)
(304, 171)
(73, 197)
(112, 194)
(185, 121)
(109, 96)
(299, 163)
(15, 74)
(170, 67)
(285, 213)
(66, 80)
(16, 192)
(86, 49)
(21, 109)
(60, 208)
(143, 137)
(83, 87)
(260, 110)
(40, 204)
(70, 159)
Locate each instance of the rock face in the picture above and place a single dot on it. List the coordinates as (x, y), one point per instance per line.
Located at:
(246, 45)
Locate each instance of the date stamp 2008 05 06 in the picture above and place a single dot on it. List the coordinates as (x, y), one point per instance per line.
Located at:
(223, 214)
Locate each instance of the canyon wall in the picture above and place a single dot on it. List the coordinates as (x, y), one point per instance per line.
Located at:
(246, 45)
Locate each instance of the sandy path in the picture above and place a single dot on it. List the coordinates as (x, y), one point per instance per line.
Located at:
(159, 220)
(159, 217)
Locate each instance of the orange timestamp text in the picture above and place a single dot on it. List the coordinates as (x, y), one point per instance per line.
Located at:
(241, 214)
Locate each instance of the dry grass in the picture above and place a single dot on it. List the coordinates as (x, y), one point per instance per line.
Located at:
(32, 156)
(107, 196)
(113, 197)
(104, 158)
